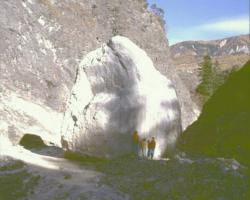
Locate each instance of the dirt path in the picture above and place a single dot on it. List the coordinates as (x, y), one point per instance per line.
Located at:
(62, 179)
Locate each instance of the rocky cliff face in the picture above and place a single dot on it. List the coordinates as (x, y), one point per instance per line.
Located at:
(42, 44)
(118, 91)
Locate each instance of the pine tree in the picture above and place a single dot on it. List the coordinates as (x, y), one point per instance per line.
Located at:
(206, 86)
(219, 76)
(212, 77)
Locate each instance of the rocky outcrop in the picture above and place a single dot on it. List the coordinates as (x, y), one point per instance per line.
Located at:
(42, 44)
(118, 91)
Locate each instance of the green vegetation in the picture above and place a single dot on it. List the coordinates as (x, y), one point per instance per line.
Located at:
(150, 180)
(223, 129)
(158, 179)
(84, 159)
(211, 78)
(30, 141)
(13, 166)
(15, 181)
(206, 73)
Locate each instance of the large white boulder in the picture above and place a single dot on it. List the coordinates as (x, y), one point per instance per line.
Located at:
(118, 90)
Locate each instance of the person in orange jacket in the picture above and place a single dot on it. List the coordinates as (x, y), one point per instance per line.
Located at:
(151, 148)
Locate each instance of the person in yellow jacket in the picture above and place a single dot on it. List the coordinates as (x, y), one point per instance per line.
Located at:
(135, 140)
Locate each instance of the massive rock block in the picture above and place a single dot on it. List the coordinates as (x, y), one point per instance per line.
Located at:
(117, 90)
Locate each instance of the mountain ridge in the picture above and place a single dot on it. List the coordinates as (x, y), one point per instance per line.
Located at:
(195, 50)
(230, 53)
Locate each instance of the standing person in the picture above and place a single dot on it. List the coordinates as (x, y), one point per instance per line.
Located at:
(152, 147)
(143, 148)
(135, 140)
(149, 148)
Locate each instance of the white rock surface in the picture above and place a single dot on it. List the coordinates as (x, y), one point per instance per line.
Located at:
(20, 115)
(118, 90)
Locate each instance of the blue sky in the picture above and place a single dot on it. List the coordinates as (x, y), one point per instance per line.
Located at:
(204, 19)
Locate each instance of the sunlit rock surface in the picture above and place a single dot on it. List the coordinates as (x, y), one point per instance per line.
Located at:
(42, 44)
(20, 115)
(117, 90)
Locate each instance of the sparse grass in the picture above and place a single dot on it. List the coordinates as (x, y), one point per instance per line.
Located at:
(67, 176)
(12, 166)
(152, 180)
(16, 182)
(62, 196)
(84, 159)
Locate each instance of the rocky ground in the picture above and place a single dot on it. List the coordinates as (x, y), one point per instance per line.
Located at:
(45, 174)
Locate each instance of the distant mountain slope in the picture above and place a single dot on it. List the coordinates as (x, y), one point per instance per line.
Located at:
(228, 46)
(231, 52)
(223, 128)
